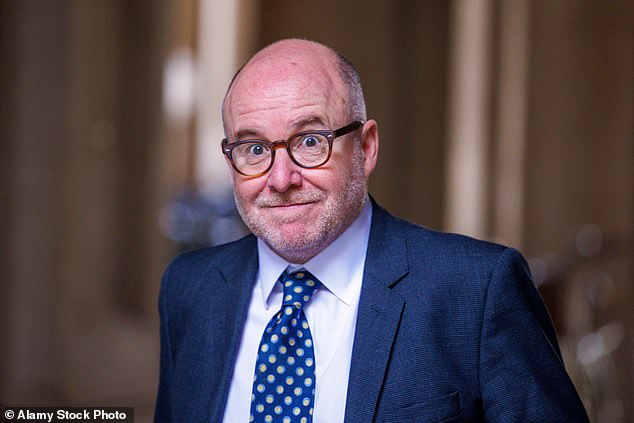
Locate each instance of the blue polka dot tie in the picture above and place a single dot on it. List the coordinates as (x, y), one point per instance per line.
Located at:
(284, 381)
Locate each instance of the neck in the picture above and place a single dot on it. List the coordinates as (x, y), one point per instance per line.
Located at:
(300, 255)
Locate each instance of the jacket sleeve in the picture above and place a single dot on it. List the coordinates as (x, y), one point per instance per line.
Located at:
(522, 376)
(162, 412)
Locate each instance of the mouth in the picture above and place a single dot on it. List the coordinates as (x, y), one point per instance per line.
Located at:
(290, 202)
(290, 206)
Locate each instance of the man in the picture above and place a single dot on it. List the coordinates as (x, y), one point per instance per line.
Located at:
(334, 310)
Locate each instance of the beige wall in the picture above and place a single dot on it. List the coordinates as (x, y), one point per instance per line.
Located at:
(81, 147)
(580, 156)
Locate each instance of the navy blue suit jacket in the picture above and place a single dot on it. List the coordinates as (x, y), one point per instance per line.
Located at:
(449, 329)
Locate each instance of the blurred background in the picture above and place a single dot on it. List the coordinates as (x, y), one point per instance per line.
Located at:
(509, 120)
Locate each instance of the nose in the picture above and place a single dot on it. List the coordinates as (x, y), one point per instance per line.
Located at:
(284, 174)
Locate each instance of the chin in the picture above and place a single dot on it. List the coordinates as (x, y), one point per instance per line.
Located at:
(298, 238)
(297, 244)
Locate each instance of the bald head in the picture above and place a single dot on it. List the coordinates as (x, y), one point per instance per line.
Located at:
(296, 58)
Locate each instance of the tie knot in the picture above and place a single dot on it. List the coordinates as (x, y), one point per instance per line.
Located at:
(298, 287)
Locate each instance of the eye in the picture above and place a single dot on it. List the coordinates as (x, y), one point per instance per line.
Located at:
(256, 150)
(252, 152)
(310, 141)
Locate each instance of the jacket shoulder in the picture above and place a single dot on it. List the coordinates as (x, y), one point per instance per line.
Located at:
(444, 258)
(437, 244)
(204, 258)
(192, 268)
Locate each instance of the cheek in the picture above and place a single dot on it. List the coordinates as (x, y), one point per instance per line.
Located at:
(248, 189)
(331, 179)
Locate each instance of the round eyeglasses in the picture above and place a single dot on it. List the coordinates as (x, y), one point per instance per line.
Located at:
(308, 149)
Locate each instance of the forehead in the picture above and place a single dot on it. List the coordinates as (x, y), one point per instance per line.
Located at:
(280, 89)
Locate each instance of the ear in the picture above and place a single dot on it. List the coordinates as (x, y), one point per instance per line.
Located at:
(370, 146)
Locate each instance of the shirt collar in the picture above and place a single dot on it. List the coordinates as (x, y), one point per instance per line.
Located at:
(335, 267)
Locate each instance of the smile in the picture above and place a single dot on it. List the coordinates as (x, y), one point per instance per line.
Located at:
(292, 205)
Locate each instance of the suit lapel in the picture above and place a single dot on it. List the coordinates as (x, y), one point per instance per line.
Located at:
(231, 313)
(380, 310)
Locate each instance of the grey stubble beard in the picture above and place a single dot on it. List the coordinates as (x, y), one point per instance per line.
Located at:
(338, 215)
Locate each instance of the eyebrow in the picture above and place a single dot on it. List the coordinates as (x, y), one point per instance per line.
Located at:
(303, 123)
(300, 126)
(247, 133)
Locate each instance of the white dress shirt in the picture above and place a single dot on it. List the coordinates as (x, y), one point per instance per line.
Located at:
(331, 315)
